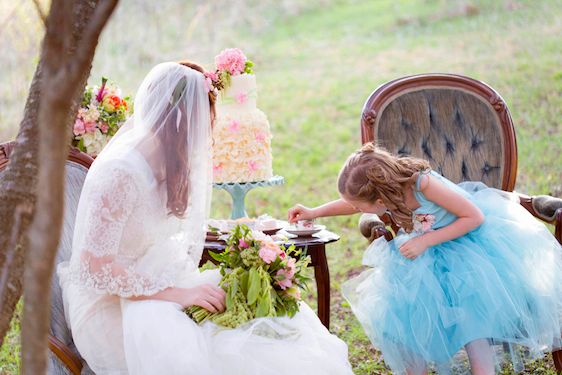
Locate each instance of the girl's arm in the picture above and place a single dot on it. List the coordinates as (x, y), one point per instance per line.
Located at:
(333, 208)
(468, 215)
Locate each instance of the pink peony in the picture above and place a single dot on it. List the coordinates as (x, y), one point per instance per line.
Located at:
(234, 126)
(90, 127)
(243, 244)
(284, 279)
(232, 60)
(79, 128)
(241, 97)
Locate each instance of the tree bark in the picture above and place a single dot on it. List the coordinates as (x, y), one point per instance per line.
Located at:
(19, 179)
(67, 74)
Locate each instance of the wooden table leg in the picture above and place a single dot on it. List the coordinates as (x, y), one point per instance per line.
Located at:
(557, 356)
(322, 275)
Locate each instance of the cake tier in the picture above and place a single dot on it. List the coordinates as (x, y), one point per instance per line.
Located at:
(241, 94)
(242, 146)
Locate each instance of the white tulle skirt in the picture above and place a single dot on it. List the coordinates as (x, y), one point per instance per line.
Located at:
(159, 338)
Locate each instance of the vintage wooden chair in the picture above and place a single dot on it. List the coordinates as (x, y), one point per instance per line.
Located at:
(63, 356)
(462, 127)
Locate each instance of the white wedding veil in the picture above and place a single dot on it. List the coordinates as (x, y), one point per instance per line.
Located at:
(166, 142)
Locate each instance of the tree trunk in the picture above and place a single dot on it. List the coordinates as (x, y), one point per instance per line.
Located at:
(67, 74)
(19, 179)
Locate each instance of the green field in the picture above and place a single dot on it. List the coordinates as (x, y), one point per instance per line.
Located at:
(316, 64)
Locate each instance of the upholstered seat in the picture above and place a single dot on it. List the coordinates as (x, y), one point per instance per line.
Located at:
(63, 356)
(462, 127)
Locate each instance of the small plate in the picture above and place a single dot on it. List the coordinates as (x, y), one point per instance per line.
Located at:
(307, 232)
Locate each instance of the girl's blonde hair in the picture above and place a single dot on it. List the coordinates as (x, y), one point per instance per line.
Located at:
(373, 173)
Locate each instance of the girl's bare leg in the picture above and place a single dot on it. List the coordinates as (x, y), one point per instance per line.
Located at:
(480, 357)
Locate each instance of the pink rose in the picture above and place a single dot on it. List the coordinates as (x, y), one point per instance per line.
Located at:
(284, 279)
(79, 128)
(90, 127)
(241, 97)
(243, 244)
(232, 60)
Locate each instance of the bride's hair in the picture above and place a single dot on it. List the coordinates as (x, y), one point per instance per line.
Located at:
(373, 173)
(177, 166)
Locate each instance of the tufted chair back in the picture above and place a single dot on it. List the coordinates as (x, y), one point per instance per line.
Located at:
(460, 125)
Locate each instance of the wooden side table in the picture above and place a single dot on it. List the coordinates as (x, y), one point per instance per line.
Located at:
(315, 247)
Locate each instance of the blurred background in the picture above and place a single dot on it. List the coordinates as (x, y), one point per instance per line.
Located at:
(316, 63)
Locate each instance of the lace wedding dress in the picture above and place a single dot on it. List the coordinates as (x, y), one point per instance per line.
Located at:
(127, 244)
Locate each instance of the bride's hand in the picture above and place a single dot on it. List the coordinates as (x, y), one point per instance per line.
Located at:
(207, 296)
(300, 212)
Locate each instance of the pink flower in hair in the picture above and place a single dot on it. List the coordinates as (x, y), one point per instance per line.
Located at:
(212, 76)
(232, 60)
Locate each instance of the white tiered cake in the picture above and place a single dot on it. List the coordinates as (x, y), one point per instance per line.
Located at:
(242, 138)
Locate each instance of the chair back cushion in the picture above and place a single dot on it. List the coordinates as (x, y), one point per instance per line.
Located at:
(460, 125)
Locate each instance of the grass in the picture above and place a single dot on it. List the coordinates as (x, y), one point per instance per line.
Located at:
(317, 65)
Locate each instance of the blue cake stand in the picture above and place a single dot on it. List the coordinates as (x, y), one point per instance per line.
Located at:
(238, 191)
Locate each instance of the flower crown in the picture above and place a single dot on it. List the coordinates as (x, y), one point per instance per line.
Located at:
(230, 62)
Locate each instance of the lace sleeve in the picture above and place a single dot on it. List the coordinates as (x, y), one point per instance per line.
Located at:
(111, 199)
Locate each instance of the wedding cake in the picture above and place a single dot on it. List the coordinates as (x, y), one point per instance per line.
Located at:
(241, 133)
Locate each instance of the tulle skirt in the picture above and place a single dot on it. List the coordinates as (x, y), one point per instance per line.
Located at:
(497, 288)
(159, 338)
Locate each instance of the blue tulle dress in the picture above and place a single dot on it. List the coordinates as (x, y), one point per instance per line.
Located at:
(501, 282)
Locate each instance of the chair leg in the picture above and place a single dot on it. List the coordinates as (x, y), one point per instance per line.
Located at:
(322, 275)
(557, 357)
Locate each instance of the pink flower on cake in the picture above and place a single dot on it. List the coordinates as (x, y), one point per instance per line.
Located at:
(260, 137)
(234, 126)
(79, 128)
(232, 60)
(253, 166)
(241, 97)
(217, 169)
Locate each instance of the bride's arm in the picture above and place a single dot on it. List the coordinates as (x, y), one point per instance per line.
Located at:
(111, 201)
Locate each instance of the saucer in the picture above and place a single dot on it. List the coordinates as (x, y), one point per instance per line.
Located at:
(304, 232)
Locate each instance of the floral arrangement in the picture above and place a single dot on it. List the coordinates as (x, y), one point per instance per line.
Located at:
(230, 62)
(423, 222)
(102, 112)
(260, 277)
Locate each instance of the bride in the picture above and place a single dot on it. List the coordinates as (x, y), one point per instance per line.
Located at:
(138, 239)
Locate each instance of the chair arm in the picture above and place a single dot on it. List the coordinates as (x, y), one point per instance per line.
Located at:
(546, 208)
(372, 227)
(65, 355)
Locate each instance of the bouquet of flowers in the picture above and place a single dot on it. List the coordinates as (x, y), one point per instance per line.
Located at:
(102, 111)
(260, 277)
(230, 62)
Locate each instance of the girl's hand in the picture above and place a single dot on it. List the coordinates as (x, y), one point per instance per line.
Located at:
(207, 296)
(413, 248)
(300, 212)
